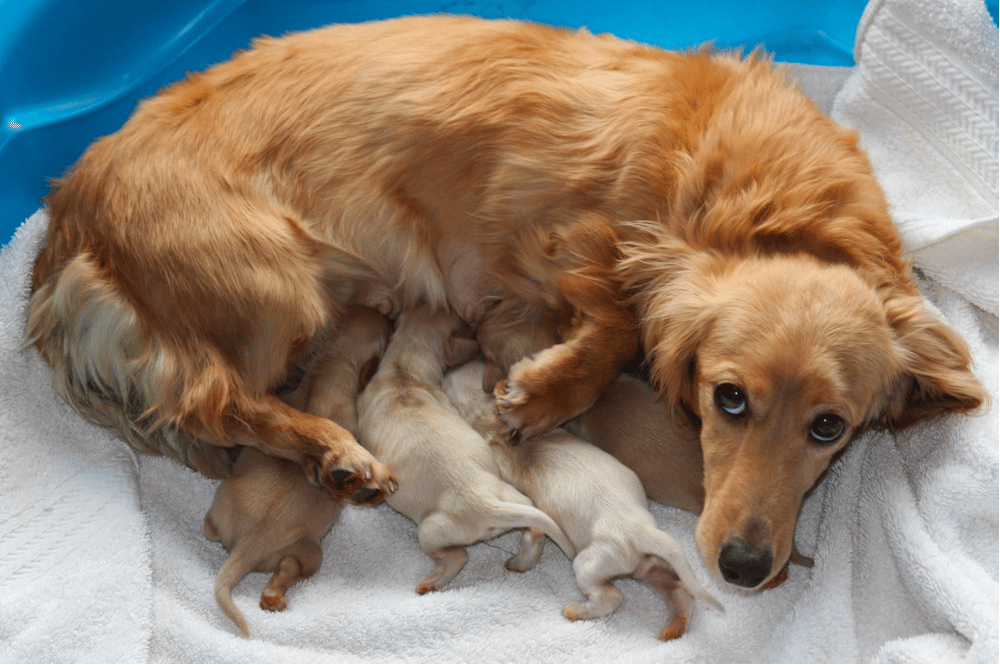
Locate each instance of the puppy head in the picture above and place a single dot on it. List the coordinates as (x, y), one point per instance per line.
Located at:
(442, 330)
(783, 360)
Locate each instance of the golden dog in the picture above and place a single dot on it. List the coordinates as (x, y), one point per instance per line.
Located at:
(196, 255)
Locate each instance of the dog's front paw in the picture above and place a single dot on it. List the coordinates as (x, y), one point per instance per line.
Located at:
(533, 399)
(357, 478)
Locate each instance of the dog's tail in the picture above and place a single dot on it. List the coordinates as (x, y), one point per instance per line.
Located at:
(232, 572)
(164, 394)
(662, 546)
(510, 515)
(106, 365)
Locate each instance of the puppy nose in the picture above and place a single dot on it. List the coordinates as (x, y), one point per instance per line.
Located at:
(743, 564)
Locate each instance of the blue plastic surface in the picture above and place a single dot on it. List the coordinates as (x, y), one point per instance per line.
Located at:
(72, 71)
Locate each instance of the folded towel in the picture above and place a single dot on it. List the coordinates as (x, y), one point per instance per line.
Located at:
(102, 557)
(74, 544)
(924, 97)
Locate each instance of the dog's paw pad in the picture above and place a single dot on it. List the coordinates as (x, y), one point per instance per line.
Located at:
(339, 476)
(366, 495)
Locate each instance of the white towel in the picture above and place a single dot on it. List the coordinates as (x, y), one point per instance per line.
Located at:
(102, 557)
(924, 96)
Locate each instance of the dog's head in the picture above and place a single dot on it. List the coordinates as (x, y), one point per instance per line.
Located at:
(784, 359)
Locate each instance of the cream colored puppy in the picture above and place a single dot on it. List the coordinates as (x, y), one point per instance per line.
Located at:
(267, 513)
(449, 483)
(600, 505)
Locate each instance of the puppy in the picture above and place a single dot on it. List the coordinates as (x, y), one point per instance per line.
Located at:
(267, 514)
(200, 252)
(600, 505)
(448, 482)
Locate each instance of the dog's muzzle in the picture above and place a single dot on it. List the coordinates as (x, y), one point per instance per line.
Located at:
(743, 564)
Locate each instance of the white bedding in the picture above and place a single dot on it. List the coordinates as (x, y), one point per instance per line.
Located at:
(102, 557)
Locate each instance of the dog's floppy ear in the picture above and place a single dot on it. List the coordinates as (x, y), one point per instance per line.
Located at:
(937, 377)
(663, 277)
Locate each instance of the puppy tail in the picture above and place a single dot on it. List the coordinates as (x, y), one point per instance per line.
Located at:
(232, 571)
(662, 546)
(516, 516)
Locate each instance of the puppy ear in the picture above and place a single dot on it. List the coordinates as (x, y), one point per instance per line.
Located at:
(937, 377)
(459, 350)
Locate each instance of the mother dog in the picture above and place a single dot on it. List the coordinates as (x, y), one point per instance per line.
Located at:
(200, 253)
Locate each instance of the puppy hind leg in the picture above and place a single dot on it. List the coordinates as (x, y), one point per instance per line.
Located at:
(300, 564)
(661, 577)
(437, 538)
(593, 577)
(450, 561)
(532, 543)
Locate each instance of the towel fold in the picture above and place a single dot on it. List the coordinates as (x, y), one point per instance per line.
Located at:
(924, 97)
(102, 556)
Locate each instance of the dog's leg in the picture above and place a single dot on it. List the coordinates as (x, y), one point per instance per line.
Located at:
(564, 380)
(573, 273)
(594, 580)
(329, 454)
(532, 543)
(450, 561)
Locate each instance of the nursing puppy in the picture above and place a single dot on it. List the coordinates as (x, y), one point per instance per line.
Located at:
(198, 254)
(449, 483)
(267, 514)
(597, 501)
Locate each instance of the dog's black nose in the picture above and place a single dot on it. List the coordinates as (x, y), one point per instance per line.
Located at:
(743, 564)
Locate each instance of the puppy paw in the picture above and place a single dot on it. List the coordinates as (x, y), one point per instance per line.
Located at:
(273, 601)
(428, 584)
(578, 612)
(674, 629)
(357, 478)
(532, 542)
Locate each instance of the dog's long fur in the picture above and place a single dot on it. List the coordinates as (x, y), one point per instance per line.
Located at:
(198, 253)
(449, 483)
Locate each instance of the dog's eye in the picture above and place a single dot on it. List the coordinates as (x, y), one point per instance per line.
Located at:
(827, 428)
(731, 399)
